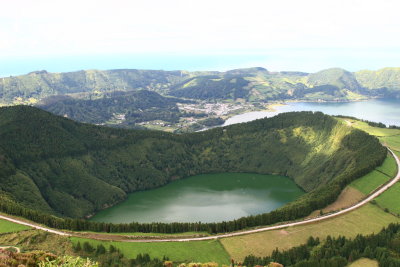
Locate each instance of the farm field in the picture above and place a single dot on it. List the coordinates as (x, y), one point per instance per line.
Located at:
(262, 244)
(197, 251)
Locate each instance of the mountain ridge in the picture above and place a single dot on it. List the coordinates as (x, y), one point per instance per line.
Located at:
(38, 85)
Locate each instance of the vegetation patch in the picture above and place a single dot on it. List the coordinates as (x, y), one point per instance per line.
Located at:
(41, 259)
(38, 240)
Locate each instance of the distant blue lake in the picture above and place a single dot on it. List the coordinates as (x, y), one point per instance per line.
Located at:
(386, 111)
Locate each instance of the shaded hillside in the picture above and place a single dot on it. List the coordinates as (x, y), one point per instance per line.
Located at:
(67, 168)
(132, 107)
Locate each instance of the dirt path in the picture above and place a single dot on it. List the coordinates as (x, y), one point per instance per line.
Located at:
(120, 238)
(16, 248)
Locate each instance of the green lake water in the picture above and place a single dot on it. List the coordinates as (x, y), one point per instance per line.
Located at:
(205, 198)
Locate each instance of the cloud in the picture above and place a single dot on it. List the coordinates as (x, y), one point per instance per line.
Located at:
(61, 28)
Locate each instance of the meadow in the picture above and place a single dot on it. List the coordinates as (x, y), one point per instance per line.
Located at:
(8, 227)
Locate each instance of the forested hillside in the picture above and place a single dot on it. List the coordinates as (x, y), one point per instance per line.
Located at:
(66, 168)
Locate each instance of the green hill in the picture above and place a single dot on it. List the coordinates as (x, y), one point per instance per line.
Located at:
(385, 81)
(340, 78)
(66, 168)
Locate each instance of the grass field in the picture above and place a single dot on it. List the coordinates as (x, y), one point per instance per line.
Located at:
(397, 153)
(199, 251)
(363, 262)
(8, 227)
(392, 141)
(390, 199)
(389, 166)
(373, 130)
(370, 182)
(365, 220)
(374, 179)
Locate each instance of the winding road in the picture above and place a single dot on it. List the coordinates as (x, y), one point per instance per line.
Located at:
(100, 236)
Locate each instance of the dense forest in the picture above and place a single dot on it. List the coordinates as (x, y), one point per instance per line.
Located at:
(383, 247)
(51, 165)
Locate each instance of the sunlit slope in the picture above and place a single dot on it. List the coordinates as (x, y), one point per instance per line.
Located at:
(67, 168)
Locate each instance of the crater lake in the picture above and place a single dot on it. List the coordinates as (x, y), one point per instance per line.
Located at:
(205, 198)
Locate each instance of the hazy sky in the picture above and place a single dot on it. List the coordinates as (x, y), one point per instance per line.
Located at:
(305, 35)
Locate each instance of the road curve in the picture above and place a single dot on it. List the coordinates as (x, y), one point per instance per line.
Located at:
(100, 236)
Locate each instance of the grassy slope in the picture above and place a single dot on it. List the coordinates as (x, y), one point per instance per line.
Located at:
(8, 227)
(262, 244)
(370, 182)
(199, 251)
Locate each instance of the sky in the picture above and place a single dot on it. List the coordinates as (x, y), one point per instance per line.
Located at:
(307, 35)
